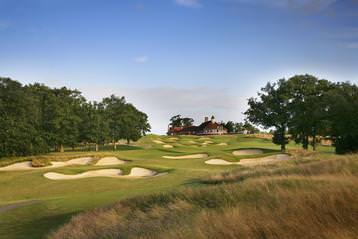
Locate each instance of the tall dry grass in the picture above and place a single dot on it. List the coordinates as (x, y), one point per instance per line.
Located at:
(317, 199)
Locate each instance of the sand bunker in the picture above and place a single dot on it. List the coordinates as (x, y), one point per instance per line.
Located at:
(89, 174)
(109, 161)
(253, 161)
(167, 146)
(208, 142)
(192, 142)
(218, 162)
(222, 144)
(27, 165)
(112, 173)
(158, 142)
(264, 160)
(247, 152)
(141, 172)
(192, 156)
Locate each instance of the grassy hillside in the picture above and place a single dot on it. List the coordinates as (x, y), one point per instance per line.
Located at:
(49, 204)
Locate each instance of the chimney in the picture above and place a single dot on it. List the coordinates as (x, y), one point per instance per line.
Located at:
(206, 119)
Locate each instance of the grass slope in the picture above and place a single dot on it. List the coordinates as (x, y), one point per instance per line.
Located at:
(58, 201)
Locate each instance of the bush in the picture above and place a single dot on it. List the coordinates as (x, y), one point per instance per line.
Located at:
(40, 162)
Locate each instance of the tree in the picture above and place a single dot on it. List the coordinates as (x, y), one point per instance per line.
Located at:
(114, 108)
(343, 117)
(230, 126)
(307, 107)
(134, 123)
(271, 109)
(186, 122)
(250, 128)
(176, 121)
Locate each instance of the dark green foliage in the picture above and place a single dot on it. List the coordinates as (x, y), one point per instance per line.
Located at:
(343, 117)
(36, 119)
(178, 121)
(271, 109)
(308, 107)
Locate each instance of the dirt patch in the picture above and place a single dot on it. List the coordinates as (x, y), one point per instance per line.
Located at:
(247, 152)
(191, 156)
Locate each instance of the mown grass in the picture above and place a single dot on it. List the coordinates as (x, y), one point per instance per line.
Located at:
(58, 201)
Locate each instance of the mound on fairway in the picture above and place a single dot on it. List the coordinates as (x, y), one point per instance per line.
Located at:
(191, 156)
(252, 161)
(109, 161)
(27, 165)
(89, 174)
(247, 152)
(167, 146)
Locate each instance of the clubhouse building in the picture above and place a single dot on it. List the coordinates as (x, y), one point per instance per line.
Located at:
(208, 127)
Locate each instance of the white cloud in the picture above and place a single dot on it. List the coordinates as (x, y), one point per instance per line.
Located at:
(188, 3)
(141, 59)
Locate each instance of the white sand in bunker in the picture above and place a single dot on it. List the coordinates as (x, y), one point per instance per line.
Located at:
(158, 142)
(88, 174)
(167, 146)
(141, 172)
(264, 160)
(251, 162)
(247, 152)
(222, 144)
(218, 162)
(27, 165)
(208, 142)
(191, 156)
(112, 173)
(109, 161)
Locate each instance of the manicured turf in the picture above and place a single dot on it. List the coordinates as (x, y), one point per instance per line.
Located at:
(56, 201)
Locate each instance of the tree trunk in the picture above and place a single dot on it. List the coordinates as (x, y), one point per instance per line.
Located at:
(61, 148)
(314, 142)
(96, 147)
(128, 141)
(283, 147)
(305, 142)
(114, 145)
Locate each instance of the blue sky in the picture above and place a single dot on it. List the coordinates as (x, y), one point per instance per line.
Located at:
(196, 58)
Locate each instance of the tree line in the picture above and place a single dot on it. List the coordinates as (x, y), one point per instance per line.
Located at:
(36, 119)
(306, 108)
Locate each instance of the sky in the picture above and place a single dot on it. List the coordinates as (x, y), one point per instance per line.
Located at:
(196, 58)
